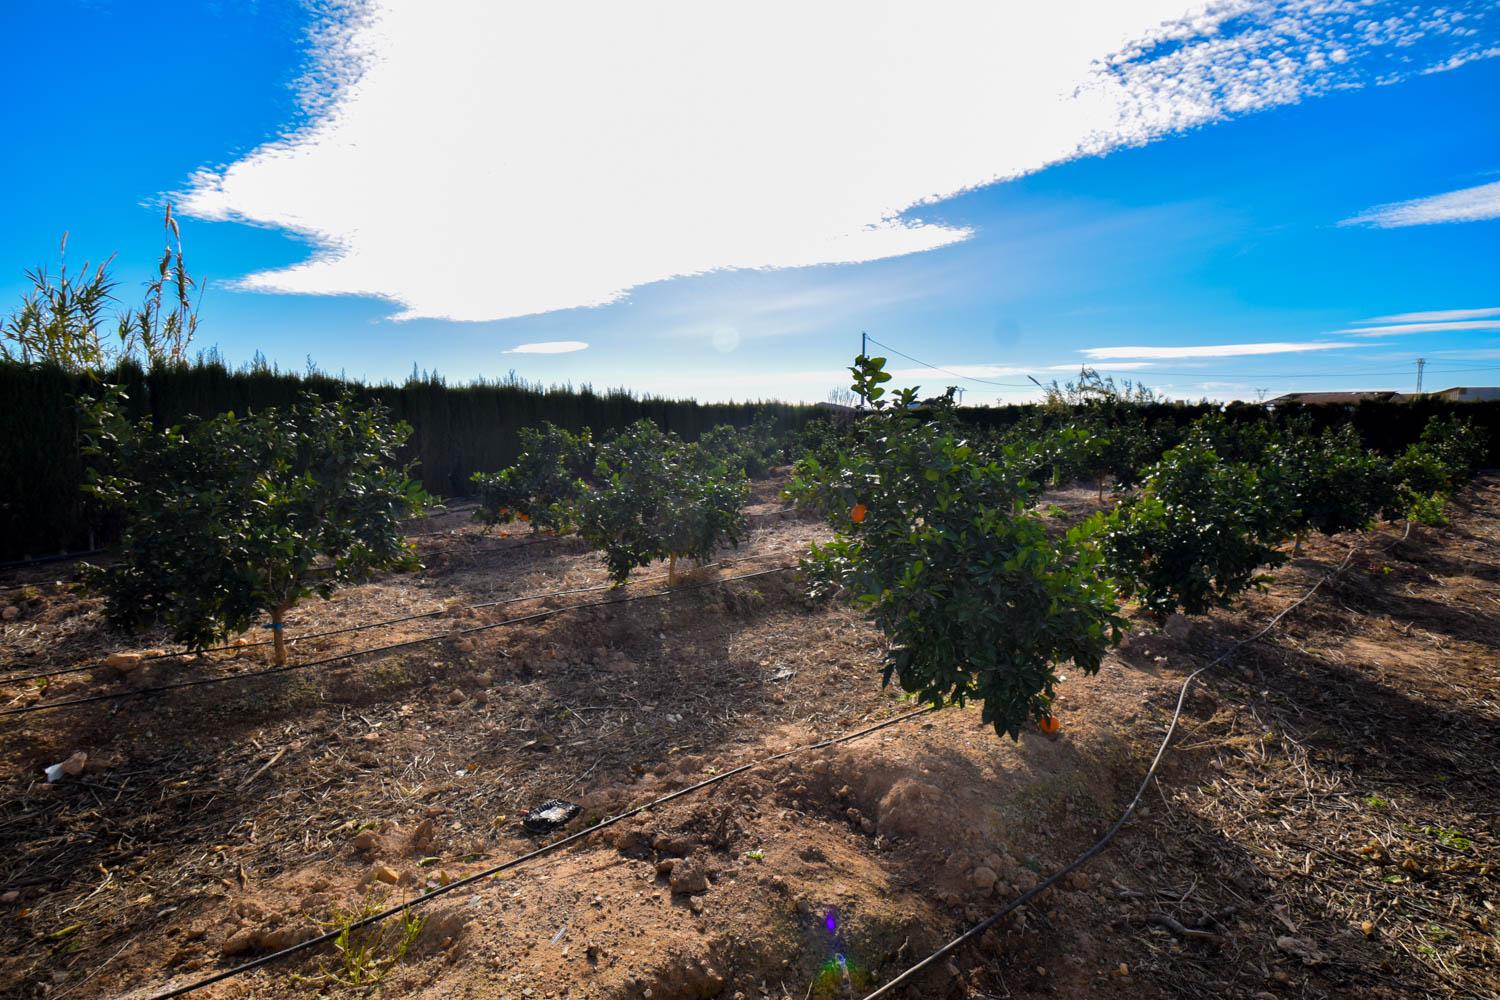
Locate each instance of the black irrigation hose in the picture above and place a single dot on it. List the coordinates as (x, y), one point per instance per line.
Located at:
(1109, 835)
(287, 668)
(516, 862)
(80, 668)
(60, 557)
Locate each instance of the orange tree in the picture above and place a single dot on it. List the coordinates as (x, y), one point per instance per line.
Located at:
(1327, 482)
(658, 497)
(1429, 470)
(938, 540)
(543, 486)
(755, 448)
(1196, 534)
(235, 517)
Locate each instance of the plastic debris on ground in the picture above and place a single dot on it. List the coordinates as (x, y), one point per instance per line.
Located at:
(550, 815)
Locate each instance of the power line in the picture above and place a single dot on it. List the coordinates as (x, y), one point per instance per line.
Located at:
(945, 371)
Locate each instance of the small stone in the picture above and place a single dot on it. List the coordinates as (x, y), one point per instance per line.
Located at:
(664, 867)
(421, 837)
(456, 697)
(1178, 627)
(365, 839)
(983, 878)
(386, 874)
(481, 698)
(283, 937)
(75, 764)
(241, 942)
(123, 662)
(674, 845)
(1124, 969)
(689, 877)
(10, 896)
(10, 614)
(695, 903)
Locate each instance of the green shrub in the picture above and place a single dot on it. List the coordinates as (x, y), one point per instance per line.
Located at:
(754, 449)
(1458, 444)
(1326, 483)
(935, 540)
(543, 486)
(231, 518)
(1446, 456)
(1195, 535)
(660, 498)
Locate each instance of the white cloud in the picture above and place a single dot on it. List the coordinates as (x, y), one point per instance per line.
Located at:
(550, 347)
(1208, 350)
(1397, 329)
(1114, 366)
(480, 160)
(1473, 204)
(1437, 315)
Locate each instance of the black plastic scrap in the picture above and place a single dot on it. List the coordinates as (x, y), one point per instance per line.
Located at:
(550, 815)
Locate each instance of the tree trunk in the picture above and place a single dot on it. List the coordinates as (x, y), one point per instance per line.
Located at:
(672, 571)
(277, 635)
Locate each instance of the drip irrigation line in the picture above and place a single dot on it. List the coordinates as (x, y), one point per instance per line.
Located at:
(80, 668)
(1099, 845)
(517, 862)
(60, 557)
(405, 644)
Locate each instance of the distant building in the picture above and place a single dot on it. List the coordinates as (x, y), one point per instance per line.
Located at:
(1457, 394)
(1469, 393)
(1345, 398)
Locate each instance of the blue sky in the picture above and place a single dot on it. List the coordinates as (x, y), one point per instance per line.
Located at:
(1259, 197)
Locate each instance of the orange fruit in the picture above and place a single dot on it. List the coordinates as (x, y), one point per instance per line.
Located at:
(1049, 724)
(523, 517)
(858, 512)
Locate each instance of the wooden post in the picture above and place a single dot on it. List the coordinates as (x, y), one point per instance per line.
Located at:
(672, 571)
(277, 635)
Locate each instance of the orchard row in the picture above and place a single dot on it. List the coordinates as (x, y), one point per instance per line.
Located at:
(940, 534)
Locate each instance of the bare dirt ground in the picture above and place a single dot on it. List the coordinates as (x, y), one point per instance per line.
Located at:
(1325, 826)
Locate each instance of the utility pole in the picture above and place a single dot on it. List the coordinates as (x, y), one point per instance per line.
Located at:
(1260, 394)
(960, 395)
(864, 344)
(1421, 363)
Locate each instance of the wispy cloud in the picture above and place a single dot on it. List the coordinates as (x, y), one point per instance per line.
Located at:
(1473, 204)
(1396, 329)
(550, 347)
(480, 160)
(1437, 315)
(1115, 366)
(1208, 350)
